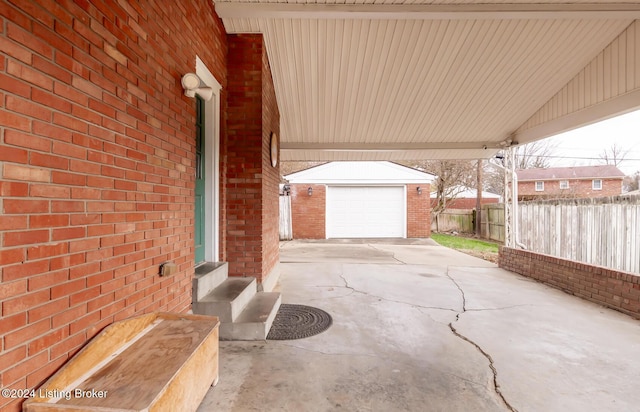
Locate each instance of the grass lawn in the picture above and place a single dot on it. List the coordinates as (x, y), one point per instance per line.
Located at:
(464, 244)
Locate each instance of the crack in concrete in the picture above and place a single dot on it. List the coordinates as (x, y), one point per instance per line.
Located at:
(496, 385)
(425, 312)
(464, 299)
(413, 305)
(346, 285)
(393, 255)
(351, 292)
(346, 282)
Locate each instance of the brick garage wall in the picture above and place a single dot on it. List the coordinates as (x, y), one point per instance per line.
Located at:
(577, 189)
(251, 183)
(418, 211)
(96, 170)
(308, 213)
(614, 289)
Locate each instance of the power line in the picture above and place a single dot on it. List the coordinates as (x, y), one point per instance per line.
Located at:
(581, 158)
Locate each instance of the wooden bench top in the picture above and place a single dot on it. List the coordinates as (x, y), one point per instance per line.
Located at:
(146, 363)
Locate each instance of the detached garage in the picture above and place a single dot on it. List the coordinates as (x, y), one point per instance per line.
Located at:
(360, 200)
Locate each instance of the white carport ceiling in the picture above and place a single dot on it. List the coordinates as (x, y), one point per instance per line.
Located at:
(416, 80)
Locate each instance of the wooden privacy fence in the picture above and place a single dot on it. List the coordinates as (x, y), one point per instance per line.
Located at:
(286, 231)
(603, 231)
(492, 222)
(462, 220)
(459, 220)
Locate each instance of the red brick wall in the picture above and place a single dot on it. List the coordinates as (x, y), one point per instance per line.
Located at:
(607, 287)
(418, 211)
(308, 213)
(243, 153)
(577, 189)
(96, 170)
(468, 203)
(270, 174)
(251, 183)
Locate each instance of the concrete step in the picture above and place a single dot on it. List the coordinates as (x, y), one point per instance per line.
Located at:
(208, 276)
(228, 299)
(255, 321)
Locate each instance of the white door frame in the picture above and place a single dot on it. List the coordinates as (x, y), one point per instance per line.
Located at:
(212, 164)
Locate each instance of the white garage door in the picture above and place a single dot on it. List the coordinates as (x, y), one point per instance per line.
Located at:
(360, 212)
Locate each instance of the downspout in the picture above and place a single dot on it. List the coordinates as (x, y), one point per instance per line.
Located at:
(514, 199)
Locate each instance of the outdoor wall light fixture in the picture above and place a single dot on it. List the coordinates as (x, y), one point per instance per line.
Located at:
(419, 190)
(192, 85)
(310, 191)
(508, 143)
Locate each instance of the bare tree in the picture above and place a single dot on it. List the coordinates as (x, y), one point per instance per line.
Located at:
(534, 155)
(632, 182)
(613, 155)
(452, 175)
(493, 178)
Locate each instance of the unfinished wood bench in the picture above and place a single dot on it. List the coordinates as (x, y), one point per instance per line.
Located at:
(155, 362)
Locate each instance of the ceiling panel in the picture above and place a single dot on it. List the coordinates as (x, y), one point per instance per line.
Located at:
(430, 2)
(376, 89)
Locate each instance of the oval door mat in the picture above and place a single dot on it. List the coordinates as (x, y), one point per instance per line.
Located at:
(298, 322)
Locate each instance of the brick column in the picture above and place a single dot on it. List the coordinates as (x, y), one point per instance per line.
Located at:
(250, 182)
(418, 211)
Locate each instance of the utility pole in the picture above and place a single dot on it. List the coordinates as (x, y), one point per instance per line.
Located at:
(479, 199)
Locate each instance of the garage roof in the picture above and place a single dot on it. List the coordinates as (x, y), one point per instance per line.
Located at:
(462, 192)
(360, 173)
(418, 79)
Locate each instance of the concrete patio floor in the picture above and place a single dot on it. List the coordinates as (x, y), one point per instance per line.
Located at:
(419, 327)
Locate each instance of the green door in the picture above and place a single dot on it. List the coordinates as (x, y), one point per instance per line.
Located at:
(200, 182)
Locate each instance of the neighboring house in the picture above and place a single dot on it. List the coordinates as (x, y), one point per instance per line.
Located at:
(465, 198)
(569, 182)
(360, 200)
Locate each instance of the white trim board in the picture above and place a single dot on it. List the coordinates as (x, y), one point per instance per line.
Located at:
(212, 165)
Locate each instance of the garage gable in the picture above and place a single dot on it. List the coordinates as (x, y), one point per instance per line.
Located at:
(360, 173)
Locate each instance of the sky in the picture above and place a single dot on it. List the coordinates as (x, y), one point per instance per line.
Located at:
(583, 146)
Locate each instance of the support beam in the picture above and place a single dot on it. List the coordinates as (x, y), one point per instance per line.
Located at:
(391, 147)
(608, 109)
(510, 198)
(478, 225)
(511, 216)
(228, 10)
